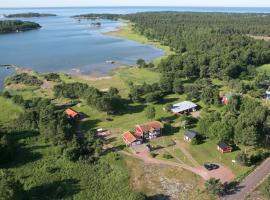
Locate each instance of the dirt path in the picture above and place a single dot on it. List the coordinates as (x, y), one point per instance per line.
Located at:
(148, 160)
(223, 173)
(187, 154)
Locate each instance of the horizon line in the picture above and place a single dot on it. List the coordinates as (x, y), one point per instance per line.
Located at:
(134, 6)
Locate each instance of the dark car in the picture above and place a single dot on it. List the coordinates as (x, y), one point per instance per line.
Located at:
(210, 166)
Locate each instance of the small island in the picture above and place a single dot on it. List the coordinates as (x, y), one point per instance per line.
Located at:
(96, 24)
(97, 16)
(29, 15)
(13, 26)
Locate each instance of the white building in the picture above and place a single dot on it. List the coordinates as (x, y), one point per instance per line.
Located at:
(185, 106)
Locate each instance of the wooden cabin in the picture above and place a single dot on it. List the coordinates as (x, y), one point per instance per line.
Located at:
(224, 148)
(72, 113)
(149, 130)
(130, 139)
(190, 135)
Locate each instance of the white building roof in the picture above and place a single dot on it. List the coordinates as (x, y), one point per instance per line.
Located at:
(267, 92)
(183, 106)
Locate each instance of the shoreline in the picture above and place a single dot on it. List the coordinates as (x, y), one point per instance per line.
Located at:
(125, 31)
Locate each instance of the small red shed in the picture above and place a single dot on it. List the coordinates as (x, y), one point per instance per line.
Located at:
(224, 148)
(72, 113)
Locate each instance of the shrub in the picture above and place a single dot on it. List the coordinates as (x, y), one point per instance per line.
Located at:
(167, 156)
(214, 186)
(242, 159)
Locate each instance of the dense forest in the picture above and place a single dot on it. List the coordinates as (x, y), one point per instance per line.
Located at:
(97, 16)
(28, 15)
(207, 45)
(10, 26)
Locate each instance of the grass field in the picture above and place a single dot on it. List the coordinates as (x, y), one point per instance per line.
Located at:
(9, 110)
(207, 152)
(265, 68)
(127, 32)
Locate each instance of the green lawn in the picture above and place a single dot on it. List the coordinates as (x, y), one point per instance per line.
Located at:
(137, 75)
(264, 68)
(126, 121)
(9, 110)
(207, 152)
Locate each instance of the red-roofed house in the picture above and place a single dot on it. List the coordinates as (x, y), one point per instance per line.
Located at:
(130, 139)
(149, 130)
(72, 113)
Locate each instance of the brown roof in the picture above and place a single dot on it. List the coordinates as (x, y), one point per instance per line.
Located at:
(128, 137)
(146, 127)
(71, 113)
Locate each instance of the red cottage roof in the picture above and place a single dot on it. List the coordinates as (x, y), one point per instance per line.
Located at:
(71, 113)
(146, 127)
(128, 137)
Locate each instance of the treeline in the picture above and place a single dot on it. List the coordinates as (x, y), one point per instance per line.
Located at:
(28, 15)
(110, 101)
(207, 45)
(98, 16)
(24, 78)
(10, 26)
(243, 121)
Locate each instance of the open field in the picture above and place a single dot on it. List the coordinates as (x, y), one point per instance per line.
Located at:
(9, 110)
(158, 182)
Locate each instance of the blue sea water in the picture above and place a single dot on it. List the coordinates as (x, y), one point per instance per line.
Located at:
(64, 44)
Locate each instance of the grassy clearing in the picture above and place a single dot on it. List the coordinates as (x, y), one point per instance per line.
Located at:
(207, 152)
(9, 110)
(137, 75)
(264, 68)
(127, 32)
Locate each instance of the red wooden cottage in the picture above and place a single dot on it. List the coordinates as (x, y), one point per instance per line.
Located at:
(72, 113)
(224, 148)
(130, 139)
(149, 130)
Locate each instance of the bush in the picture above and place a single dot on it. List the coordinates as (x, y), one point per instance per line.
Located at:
(242, 159)
(150, 112)
(214, 186)
(6, 94)
(167, 156)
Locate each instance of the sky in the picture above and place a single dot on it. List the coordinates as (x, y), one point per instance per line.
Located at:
(78, 3)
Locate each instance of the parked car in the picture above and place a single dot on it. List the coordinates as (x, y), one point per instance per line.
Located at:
(210, 166)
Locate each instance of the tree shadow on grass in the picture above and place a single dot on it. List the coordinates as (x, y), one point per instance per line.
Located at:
(131, 109)
(63, 189)
(18, 153)
(22, 155)
(167, 100)
(89, 124)
(159, 197)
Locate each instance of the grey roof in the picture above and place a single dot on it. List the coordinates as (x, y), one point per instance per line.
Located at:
(223, 145)
(191, 134)
(183, 106)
